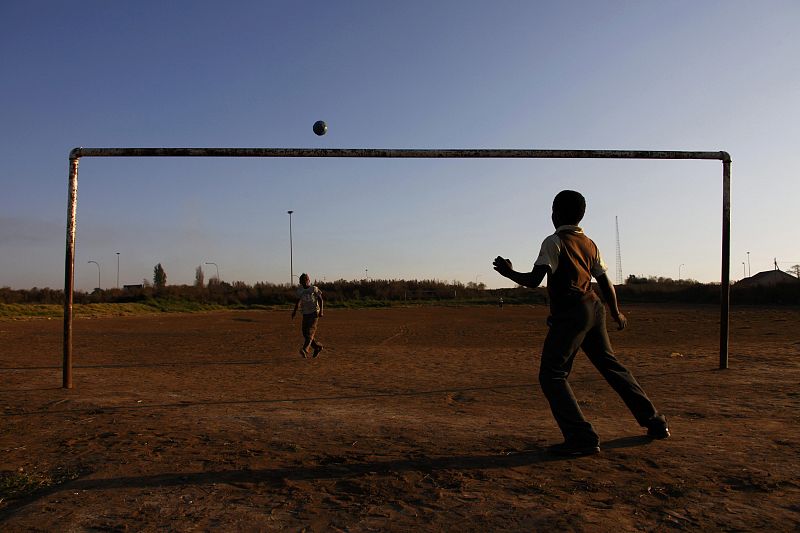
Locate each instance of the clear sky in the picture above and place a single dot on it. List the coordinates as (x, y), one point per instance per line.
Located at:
(673, 75)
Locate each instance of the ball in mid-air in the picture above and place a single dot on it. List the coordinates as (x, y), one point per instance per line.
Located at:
(320, 128)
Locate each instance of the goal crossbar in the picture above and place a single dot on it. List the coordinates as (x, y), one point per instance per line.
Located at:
(433, 153)
(77, 153)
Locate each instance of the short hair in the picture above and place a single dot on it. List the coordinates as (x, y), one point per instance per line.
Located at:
(304, 275)
(570, 206)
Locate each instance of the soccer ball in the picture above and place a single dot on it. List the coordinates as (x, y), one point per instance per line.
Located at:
(320, 128)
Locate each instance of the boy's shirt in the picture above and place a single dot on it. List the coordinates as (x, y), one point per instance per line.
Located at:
(573, 258)
(308, 299)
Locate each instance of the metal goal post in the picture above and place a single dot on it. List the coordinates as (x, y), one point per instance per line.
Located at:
(77, 153)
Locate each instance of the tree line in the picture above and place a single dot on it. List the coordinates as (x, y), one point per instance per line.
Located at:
(377, 292)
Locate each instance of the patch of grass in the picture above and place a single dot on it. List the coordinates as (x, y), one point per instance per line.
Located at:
(20, 483)
(174, 305)
(53, 311)
(169, 305)
(361, 304)
(16, 484)
(30, 310)
(106, 310)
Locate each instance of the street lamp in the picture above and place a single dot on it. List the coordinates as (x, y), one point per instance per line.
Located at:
(749, 272)
(291, 259)
(98, 272)
(744, 270)
(679, 270)
(217, 269)
(118, 270)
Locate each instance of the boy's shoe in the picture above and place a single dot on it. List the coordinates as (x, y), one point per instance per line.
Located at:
(658, 428)
(658, 432)
(303, 353)
(317, 350)
(573, 449)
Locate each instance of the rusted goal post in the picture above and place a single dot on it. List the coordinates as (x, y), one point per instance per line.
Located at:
(77, 153)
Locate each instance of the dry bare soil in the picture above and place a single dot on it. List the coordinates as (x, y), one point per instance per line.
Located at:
(412, 419)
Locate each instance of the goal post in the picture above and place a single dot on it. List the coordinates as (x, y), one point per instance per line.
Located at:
(77, 153)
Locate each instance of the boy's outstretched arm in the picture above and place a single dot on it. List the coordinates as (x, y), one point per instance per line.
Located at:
(527, 279)
(610, 296)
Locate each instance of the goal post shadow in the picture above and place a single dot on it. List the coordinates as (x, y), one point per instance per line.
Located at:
(77, 153)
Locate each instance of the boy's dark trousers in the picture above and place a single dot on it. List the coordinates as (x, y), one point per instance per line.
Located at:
(309, 330)
(583, 325)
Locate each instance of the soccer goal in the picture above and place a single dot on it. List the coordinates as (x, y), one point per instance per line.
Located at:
(77, 153)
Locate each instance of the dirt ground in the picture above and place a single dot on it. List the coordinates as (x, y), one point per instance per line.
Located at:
(412, 419)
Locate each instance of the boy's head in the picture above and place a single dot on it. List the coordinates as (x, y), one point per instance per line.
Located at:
(568, 208)
(305, 281)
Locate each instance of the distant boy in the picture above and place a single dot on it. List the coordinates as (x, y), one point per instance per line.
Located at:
(310, 297)
(578, 320)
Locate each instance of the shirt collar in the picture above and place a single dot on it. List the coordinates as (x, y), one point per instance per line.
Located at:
(571, 228)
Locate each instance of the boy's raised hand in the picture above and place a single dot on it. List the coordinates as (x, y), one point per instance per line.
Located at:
(503, 266)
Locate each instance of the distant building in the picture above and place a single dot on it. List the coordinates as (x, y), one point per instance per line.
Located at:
(770, 278)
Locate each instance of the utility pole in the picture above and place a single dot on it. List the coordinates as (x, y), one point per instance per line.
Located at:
(619, 255)
(217, 267)
(291, 252)
(98, 273)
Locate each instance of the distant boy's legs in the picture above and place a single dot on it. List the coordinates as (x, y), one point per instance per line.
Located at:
(566, 334)
(598, 348)
(309, 330)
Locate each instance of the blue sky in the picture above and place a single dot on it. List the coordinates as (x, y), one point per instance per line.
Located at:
(710, 75)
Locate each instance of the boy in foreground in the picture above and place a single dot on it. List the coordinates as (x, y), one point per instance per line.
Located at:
(578, 320)
(310, 297)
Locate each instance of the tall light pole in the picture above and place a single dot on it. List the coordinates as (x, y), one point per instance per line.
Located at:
(118, 270)
(217, 269)
(679, 270)
(98, 272)
(744, 270)
(291, 251)
(749, 272)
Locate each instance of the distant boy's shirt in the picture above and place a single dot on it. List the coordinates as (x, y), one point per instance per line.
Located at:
(308, 299)
(573, 259)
